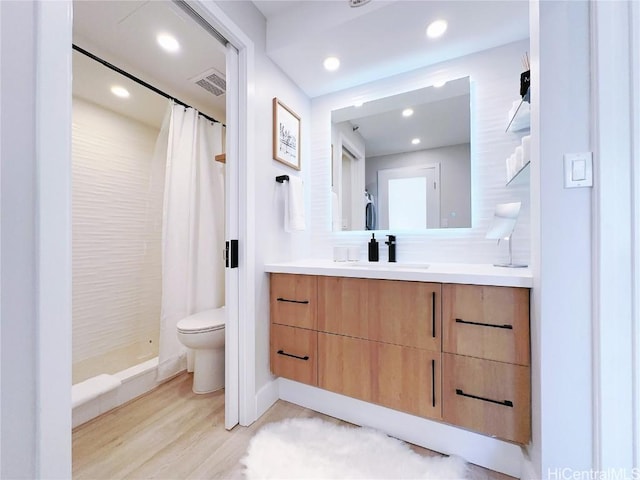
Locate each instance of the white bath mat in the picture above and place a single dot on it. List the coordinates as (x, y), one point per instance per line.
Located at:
(310, 448)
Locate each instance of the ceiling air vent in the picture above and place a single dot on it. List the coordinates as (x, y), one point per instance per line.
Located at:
(212, 81)
(357, 3)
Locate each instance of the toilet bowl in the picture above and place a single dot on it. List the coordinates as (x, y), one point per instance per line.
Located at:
(203, 333)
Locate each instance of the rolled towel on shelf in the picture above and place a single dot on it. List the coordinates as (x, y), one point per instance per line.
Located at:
(294, 217)
(526, 149)
(518, 160)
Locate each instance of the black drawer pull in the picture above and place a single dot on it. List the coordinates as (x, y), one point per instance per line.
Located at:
(282, 352)
(433, 314)
(506, 403)
(466, 322)
(433, 382)
(291, 301)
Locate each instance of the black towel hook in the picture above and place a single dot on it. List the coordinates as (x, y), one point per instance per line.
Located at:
(282, 178)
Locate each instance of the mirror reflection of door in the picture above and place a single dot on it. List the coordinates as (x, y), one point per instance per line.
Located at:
(417, 187)
(352, 179)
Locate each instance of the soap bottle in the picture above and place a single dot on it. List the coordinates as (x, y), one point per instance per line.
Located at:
(373, 249)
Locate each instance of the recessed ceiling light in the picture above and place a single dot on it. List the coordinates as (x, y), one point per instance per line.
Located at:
(439, 84)
(407, 112)
(358, 104)
(415, 141)
(168, 42)
(436, 29)
(331, 63)
(119, 91)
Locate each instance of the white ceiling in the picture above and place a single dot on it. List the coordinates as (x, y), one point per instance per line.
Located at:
(381, 38)
(124, 34)
(373, 41)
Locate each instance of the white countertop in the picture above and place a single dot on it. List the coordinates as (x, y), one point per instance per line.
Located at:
(476, 274)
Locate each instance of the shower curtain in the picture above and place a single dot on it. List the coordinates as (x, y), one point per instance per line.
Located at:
(192, 227)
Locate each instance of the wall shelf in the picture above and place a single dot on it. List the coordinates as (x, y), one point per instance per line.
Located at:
(521, 176)
(521, 119)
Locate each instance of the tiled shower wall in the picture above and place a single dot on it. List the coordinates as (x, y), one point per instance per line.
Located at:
(117, 222)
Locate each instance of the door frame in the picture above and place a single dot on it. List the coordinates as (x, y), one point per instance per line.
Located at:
(240, 400)
(53, 81)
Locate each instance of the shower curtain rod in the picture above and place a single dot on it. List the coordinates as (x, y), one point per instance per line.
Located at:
(139, 81)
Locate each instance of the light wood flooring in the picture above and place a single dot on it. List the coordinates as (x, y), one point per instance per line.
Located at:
(172, 433)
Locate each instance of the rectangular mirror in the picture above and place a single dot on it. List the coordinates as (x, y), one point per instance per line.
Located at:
(403, 162)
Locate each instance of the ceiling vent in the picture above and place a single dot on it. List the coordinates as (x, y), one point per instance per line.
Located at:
(212, 81)
(358, 3)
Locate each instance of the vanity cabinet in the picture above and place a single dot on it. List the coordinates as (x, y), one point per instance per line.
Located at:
(293, 340)
(450, 352)
(486, 360)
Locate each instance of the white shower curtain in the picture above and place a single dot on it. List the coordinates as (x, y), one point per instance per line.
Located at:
(193, 227)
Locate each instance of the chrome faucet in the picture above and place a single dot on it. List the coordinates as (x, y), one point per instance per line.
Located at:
(392, 247)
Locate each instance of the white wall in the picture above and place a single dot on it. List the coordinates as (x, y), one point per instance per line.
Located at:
(455, 178)
(117, 229)
(561, 339)
(18, 277)
(36, 243)
(272, 242)
(495, 77)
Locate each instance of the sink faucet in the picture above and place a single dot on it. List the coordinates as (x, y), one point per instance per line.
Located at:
(392, 247)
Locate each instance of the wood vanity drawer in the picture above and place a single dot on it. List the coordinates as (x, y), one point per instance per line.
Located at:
(294, 353)
(486, 322)
(342, 306)
(405, 313)
(402, 378)
(389, 311)
(293, 300)
(489, 397)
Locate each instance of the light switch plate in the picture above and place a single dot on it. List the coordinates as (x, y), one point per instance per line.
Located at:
(578, 170)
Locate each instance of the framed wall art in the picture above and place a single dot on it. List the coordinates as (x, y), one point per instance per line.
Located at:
(286, 135)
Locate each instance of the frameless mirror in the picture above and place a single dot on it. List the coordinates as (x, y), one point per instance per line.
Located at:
(403, 162)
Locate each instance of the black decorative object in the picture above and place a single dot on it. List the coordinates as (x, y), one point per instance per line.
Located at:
(524, 84)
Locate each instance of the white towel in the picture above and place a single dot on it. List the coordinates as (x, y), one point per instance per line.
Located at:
(294, 205)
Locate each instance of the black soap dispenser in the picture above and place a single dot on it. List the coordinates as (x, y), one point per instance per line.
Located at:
(373, 249)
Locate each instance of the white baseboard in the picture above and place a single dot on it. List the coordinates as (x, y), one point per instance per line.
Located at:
(477, 449)
(528, 470)
(266, 396)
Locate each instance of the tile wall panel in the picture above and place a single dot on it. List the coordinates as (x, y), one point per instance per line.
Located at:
(117, 227)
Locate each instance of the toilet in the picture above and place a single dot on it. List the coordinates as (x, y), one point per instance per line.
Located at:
(203, 333)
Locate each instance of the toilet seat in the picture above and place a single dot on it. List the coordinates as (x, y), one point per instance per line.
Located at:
(203, 322)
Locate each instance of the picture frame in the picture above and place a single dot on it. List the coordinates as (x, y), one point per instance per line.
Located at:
(286, 135)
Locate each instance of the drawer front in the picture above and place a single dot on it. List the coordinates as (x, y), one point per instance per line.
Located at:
(388, 311)
(489, 397)
(294, 353)
(344, 366)
(486, 322)
(405, 313)
(293, 300)
(342, 306)
(407, 379)
(402, 378)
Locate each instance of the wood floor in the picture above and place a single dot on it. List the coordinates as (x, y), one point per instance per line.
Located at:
(172, 433)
